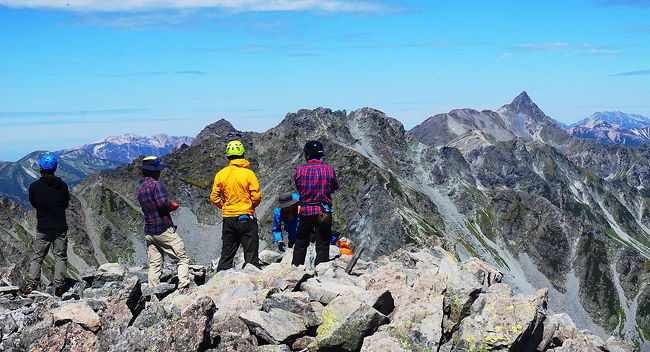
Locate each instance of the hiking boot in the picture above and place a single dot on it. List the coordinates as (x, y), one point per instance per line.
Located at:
(186, 290)
(59, 291)
(27, 289)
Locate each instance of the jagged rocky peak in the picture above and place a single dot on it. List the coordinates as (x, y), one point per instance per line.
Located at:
(523, 104)
(220, 130)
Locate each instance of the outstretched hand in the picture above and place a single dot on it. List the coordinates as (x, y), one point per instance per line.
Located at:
(174, 206)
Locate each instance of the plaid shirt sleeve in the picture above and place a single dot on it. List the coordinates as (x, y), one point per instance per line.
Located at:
(160, 197)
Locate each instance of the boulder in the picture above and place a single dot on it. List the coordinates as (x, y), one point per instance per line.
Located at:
(225, 285)
(160, 291)
(248, 344)
(557, 329)
(131, 293)
(192, 330)
(417, 322)
(294, 302)
(152, 314)
(108, 272)
(302, 343)
(485, 273)
(12, 304)
(69, 337)
(461, 291)
(226, 325)
(577, 345)
(347, 320)
(79, 313)
(615, 345)
(284, 276)
(269, 257)
(390, 277)
(382, 341)
(326, 289)
(274, 348)
(498, 320)
(115, 318)
(275, 326)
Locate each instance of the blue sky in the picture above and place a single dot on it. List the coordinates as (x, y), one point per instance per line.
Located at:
(74, 71)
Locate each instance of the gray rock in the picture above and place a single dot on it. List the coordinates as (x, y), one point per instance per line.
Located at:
(274, 348)
(108, 272)
(7, 325)
(269, 257)
(302, 343)
(160, 291)
(325, 290)
(334, 252)
(557, 329)
(417, 321)
(13, 304)
(347, 320)
(275, 326)
(80, 313)
(294, 302)
(8, 290)
(381, 341)
(152, 314)
(615, 345)
(500, 321)
(69, 337)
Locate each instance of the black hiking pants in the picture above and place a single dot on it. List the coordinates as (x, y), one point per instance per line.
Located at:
(237, 232)
(323, 233)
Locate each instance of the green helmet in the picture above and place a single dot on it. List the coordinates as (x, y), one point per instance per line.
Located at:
(234, 148)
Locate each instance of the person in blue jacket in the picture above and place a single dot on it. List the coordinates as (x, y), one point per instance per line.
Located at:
(287, 213)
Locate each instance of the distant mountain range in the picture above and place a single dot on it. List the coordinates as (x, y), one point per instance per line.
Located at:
(79, 162)
(612, 127)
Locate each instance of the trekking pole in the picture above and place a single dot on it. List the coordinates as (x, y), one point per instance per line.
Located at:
(354, 260)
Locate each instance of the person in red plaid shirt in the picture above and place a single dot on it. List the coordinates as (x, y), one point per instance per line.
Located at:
(315, 182)
(159, 231)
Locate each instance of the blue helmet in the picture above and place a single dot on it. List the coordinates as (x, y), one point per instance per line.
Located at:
(48, 162)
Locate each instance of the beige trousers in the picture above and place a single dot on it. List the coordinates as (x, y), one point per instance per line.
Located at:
(167, 242)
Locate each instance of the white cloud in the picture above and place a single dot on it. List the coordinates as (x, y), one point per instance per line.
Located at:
(570, 49)
(359, 6)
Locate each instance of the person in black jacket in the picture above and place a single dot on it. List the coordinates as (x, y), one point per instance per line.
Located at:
(50, 197)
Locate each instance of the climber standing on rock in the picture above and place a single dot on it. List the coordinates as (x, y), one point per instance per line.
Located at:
(237, 192)
(287, 213)
(159, 231)
(315, 182)
(50, 197)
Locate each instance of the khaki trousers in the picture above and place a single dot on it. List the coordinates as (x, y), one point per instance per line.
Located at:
(170, 243)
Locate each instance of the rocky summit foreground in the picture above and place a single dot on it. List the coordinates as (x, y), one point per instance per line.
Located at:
(412, 300)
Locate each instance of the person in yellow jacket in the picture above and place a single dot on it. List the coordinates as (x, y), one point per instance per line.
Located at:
(237, 192)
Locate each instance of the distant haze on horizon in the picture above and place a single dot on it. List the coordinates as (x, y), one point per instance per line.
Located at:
(77, 71)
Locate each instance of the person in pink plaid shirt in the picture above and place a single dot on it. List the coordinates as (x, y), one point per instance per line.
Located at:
(315, 182)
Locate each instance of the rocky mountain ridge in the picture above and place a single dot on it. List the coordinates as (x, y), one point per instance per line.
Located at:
(413, 300)
(547, 209)
(79, 162)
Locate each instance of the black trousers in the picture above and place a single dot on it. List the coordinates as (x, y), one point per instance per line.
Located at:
(234, 232)
(323, 233)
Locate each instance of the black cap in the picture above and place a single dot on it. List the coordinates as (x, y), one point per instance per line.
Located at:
(314, 149)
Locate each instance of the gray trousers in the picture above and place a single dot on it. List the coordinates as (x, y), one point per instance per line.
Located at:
(59, 252)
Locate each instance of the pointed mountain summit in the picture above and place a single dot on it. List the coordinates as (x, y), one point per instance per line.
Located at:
(520, 119)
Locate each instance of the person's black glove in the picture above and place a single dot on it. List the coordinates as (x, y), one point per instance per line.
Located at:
(281, 246)
(291, 243)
